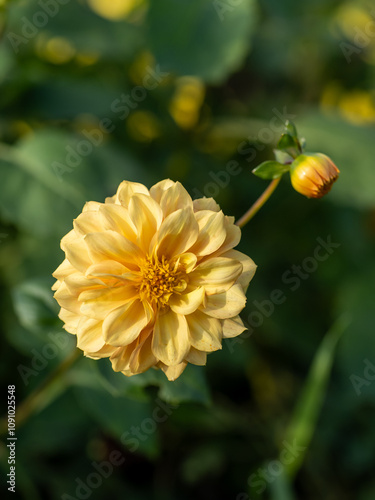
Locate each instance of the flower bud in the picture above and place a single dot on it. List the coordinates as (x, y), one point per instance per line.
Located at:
(313, 174)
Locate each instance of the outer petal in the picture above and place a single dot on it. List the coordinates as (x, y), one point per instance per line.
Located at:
(126, 190)
(170, 342)
(188, 302)
(196, 357)
(78, 255)
(104, 352)
(147, 217)
(248, 267)
(66, 299)
(117, 218)
(205, 204)
(70, 319)
(205, 332)
(158, 189)
(123, 325)
(212, 232)
(107, 268)
(142, 357)
(173, 372)
(233, 236)
(174, 198)
(88, 222)
(177, 234)
(225, 305)
(64, 270)
(217, 275)
(233, 327)
(89, 335)
(113, 246)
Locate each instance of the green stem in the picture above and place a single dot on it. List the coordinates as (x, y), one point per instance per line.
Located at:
(42, 395)
(259, 203)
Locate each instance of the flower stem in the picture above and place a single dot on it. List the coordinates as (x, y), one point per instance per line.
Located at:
(43, 395)
(259, 203)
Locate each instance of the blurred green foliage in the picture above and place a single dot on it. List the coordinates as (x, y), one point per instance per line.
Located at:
(94, 92)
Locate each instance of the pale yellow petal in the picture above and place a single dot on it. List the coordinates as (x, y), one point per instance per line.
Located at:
(56, 285)
(123, 325)
(107, 268)
(64, 269)
(174, 198)
(212, 232)
(70, 319)
(105, 352)
(173, 372)
(110, 245)
(117, 218)
(77, 282)
(196, 357)
(170, 342)
(147, 217)
(233, 327)
(205, 332)
(248, 267)
(91, 206)
(89, 335)
(87, 222)
(120, 358)
(158, 189)
(126, 190)
(233, 236)
(100, 302)
(187, 303)
(205, 204)
(217, 274)
(66, 299)
(178, 232)
(78, 255)
(225, 305)
(142, 357)
(187, 261)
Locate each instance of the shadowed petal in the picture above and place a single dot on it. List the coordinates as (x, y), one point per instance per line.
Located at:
(123, 325)
(170, 340)
(205, 332)
(225, 305)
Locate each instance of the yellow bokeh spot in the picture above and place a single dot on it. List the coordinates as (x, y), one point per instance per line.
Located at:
(143, 126)
(114, 9)
(187, 101)
(358, 107)
(56, 50)
(138, 69)
(87, 58)
(350, 16)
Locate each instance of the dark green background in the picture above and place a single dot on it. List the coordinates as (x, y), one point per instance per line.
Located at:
(248, 63)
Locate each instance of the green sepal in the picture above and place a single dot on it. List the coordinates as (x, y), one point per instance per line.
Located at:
(270, 170)
(282, 157)
(291, 129)
(290, 145)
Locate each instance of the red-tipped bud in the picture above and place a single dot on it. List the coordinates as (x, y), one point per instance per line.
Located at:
(313, 174)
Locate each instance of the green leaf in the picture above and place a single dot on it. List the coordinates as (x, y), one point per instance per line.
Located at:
(290, 129)
(207, 38)
(289, 144)
(307, 410)
(270, 170)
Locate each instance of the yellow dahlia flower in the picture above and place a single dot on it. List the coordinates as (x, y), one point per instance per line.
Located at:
(150, 279)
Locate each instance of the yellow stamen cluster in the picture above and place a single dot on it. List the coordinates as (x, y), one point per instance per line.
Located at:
(160, 279)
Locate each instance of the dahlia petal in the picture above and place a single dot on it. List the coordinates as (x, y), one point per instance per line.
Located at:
(105, 352)
(216, 274)
(98, 303)
(147, 217)
(113, 246)
(233, 327)
(70, 319)
(158, 189)
(188, 302)
(205, 332)
(170, 342)
(107, 268)
(89, 335)
(66, 299)
(77, 282)
(117, 218)
(212, 232)
(173, 372)
(87, 222)
(196, 357)
(178, 232)
(126, 190)
(120, 358)
(233, 236)
(227, 304)
(91, 206)
(123, 325)
(248, 267)
(64, 269)
(78, 255)
(142, 357)
(186, 260)
(174, 198)
(205, 204)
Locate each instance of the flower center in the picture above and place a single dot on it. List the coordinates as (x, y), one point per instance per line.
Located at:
(160, 279)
